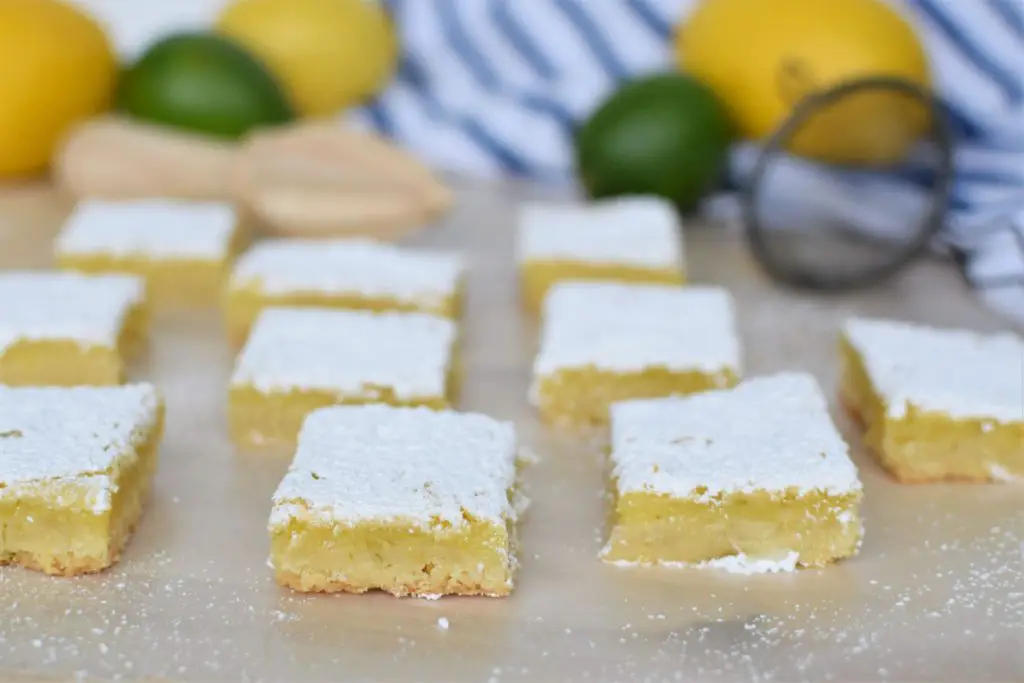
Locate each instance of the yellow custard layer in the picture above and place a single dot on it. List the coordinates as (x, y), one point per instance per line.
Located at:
(537, 277)
(924, 446)
(178, 283)
(649, 528)
(398, 557)
(171, 281)
(57, 362)
(243, 305)
(257, 418)
(581, 397)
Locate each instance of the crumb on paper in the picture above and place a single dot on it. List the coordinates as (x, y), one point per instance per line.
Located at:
(442, 623)
(741, 564)
(280, 616)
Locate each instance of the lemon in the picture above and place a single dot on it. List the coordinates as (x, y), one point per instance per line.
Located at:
(58, 68)
(329, 54)
(761, 58)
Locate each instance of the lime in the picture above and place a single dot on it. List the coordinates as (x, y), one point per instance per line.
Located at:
(204, 83)
(664, 135)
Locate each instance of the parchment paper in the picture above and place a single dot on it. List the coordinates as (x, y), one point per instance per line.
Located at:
(936, 594)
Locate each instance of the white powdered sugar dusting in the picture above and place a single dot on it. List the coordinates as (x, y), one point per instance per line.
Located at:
(149, 228)
(377, 462)
(742, 564)
(70, 435)
(354, 353)
(999, 473)
(360, 266)
(739, 563)
(767, 434)
(47, 305)
(632, 231)
(960, 373)
(630, 328)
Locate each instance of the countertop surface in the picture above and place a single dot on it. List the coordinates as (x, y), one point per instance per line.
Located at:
(937, 592)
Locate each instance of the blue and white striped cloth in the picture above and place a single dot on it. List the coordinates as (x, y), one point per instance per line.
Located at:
(491, 87)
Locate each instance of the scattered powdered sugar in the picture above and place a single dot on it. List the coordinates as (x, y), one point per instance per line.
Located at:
(767, 434)
(52, 438)
(635, 231)
(737, 564)
(366, 267)
(150, 228)
(731, 564)
(376, 462)
(355, 353)
(1000, 473)
(938, 593)
(843, 623)
(631, 327)
(442, 623)
(957, 372)
(49, 305)
(741, 564)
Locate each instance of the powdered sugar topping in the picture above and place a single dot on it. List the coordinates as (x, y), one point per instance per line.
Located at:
(70, 435)
(359, 266)
(766, 434)
(629, 328)
(355, 353)
(149, 228)
(739, 563)
(45, 305)
(376, 462)
(742, 564)
(957, 372)
(635, 231)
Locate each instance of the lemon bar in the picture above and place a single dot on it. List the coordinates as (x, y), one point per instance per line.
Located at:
(603, 342)
(75, 471)
(936, 404)
(340, 273)
(405, 500)
(182, 249)
(631, 239)
(64, 329)
(752, 478)
(301, 359)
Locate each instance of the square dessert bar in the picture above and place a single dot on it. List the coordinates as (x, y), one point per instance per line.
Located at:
(936, 403)
(75, 471)
(604, 342)
(301, 359)
(632, 239)
(340, 273)
(64, 329)
(182, 249)
(405, 500)
(755, 477)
